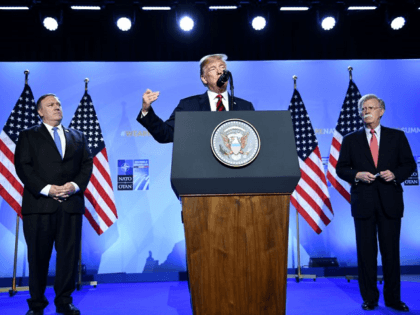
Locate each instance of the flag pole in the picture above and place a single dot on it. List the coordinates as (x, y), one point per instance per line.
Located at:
(80, 267)
(13, 290)
(79, 278)
(299, 274)
(350, 68)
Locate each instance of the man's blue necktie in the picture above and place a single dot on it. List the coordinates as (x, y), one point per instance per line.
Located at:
(57, 141)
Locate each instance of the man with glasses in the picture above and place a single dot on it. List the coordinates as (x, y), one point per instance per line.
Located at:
(375, 160)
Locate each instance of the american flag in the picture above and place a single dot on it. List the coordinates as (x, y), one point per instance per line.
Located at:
(24, 115)
(99, 195)
(348, 122)
(310, 198)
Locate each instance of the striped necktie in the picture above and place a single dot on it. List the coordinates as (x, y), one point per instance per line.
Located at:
(219, 106)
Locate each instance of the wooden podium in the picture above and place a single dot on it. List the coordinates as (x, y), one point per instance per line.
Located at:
(236, 219)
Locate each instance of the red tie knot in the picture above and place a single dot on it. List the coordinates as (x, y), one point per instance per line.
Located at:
(219, 96)
(372, 131)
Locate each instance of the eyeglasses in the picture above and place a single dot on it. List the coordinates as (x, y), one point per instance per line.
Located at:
(370, 108)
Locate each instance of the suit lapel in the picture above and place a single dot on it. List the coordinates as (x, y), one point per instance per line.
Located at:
(204, 102)
(383, 145)
(362, 139)
(46, 134)
(69, 143)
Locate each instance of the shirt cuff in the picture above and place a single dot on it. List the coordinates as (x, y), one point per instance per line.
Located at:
(142, 114)
(76, 187)
(46, 190)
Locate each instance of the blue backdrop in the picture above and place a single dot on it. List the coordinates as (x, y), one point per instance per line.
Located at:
(148, 237)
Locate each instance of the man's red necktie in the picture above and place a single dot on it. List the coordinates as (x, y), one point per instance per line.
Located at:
(374, 147)
(219, 106)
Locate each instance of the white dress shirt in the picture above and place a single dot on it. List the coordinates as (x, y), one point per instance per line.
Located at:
(377, 134)
(213, 100)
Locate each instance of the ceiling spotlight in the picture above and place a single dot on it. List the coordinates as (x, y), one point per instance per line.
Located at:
(50, 23)
(258, 23)
(328, 23)
(398, 23)
(294, 8)
(186, 23)
(156, 8)
(361, 8)
(14, 8)
(124, 24)
(85, 7)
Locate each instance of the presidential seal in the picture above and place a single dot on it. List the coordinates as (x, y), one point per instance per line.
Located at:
(235, 142)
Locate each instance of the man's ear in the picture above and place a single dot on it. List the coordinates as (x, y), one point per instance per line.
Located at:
(203, 79)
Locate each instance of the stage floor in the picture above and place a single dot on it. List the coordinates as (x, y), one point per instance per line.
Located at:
(324, 296)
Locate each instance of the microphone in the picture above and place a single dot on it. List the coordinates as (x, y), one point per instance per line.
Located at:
(223, 78)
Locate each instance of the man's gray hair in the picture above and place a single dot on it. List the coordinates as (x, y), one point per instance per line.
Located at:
(367, 97)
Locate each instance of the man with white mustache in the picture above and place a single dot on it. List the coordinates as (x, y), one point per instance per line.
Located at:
(375, 160)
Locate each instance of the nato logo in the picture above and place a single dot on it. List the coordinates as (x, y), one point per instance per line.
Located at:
(125, 175)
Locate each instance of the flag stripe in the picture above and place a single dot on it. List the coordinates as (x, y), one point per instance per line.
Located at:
(302, 188)
(100, 162)
(305, 215)
(98, 209)
(102, 193)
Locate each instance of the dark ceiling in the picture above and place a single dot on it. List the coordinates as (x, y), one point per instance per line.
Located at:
(155, 36)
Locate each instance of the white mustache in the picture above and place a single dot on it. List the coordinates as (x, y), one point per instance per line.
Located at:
(367, 116)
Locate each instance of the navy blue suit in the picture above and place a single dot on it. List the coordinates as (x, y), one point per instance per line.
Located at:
(377, 207)
(163, 132)
(47, 221)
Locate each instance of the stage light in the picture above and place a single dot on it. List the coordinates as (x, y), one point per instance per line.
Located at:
(223, 7)
(85, 7)
(124, 24)
(259, 23)
(186, 23)
(156, 8)
(50, 23)
(328, 23)
(398, 23)
(294, 8)
(14, 8)
(361, 8)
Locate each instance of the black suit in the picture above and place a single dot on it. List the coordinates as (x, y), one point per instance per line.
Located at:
(47, 221)
(377, 207)
(163, 132)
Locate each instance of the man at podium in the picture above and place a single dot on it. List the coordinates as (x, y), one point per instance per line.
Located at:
(214, 99)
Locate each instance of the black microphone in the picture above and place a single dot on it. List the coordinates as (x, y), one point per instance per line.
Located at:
(223, 78)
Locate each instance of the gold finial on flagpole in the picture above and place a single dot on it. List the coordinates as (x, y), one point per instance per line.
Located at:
(26, 72)
(294, 81)
(86, 84)
(350, 68)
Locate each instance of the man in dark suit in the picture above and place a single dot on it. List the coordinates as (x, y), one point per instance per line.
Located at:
(215, 99)
(54, 164)
(375, 160)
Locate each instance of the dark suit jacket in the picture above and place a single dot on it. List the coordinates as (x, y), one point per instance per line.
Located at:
(163, 132)
(394, 155)
(38, 163)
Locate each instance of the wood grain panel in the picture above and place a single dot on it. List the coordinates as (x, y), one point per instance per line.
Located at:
(237, 253)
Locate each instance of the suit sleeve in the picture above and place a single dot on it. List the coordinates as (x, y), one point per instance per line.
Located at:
(344, 166)
(86, 165)
(406, 163)
(161, 131)
(24, 166)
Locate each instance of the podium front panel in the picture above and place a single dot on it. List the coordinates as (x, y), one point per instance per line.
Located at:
(196, 171)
